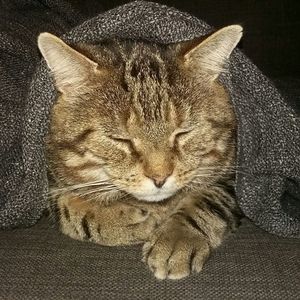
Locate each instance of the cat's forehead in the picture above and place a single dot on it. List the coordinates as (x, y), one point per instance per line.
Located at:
(133, 55)
(145, 79)
(145, 61)
(145, 75)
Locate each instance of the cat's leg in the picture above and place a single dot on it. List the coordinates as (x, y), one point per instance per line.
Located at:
(182, 243)
(114, 224)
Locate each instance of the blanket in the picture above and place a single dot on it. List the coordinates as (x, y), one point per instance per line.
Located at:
(268, 150)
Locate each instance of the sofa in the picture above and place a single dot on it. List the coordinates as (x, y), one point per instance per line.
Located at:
(41, 263)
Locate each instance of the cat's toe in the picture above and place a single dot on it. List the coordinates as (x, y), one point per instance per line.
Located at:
(188, 258)
(138, 214)
(179, 264)
(170, 258)
(156, 256)
(133, 215)
(199, 257)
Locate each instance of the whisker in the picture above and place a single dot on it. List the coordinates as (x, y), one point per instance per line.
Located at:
(224, 170)
(79, 186)
(87, 183)
(96, 191)
(204, 175)
(100, 196)
(123, 196)
(221, 167)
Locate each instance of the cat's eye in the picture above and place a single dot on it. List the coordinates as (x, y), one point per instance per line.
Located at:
(121, 139)
(179, 133)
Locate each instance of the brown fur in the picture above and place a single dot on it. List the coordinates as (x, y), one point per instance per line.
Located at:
(142, 146)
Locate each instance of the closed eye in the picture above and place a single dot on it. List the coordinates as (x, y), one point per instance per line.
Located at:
(179, 133)
(182, 133)
(123, 140)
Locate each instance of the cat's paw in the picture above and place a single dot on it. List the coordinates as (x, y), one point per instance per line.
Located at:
(111, 225)
(175, 250)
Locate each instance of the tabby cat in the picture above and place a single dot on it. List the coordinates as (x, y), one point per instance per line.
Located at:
(141, 146)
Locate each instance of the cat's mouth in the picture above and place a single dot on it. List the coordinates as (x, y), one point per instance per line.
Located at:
(147, 191)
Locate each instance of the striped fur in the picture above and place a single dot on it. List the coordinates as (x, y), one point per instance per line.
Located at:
(141, 147)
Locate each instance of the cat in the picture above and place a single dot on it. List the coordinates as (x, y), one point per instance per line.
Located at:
(141, 146)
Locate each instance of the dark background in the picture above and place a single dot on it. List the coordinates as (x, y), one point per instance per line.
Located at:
(271, 27)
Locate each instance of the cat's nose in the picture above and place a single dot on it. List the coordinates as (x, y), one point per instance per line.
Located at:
(159, 181)
(158, 169)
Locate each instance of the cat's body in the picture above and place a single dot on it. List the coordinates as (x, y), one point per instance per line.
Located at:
(141, 146)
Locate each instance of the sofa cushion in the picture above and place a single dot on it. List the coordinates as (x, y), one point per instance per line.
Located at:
(41, 263)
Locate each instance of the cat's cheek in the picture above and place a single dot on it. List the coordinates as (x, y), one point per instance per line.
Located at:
(93, 174)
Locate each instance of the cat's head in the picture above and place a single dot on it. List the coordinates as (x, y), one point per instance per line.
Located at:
(149, 119)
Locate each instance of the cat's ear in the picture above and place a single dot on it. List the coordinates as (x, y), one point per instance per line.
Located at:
(71, 69)
(209, 56)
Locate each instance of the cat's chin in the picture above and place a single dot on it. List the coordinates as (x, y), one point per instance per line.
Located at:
(154, 198)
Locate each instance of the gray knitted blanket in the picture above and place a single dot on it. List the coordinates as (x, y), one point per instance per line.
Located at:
(268, 185)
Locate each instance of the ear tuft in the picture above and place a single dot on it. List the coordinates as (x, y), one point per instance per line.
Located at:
(70, 68)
